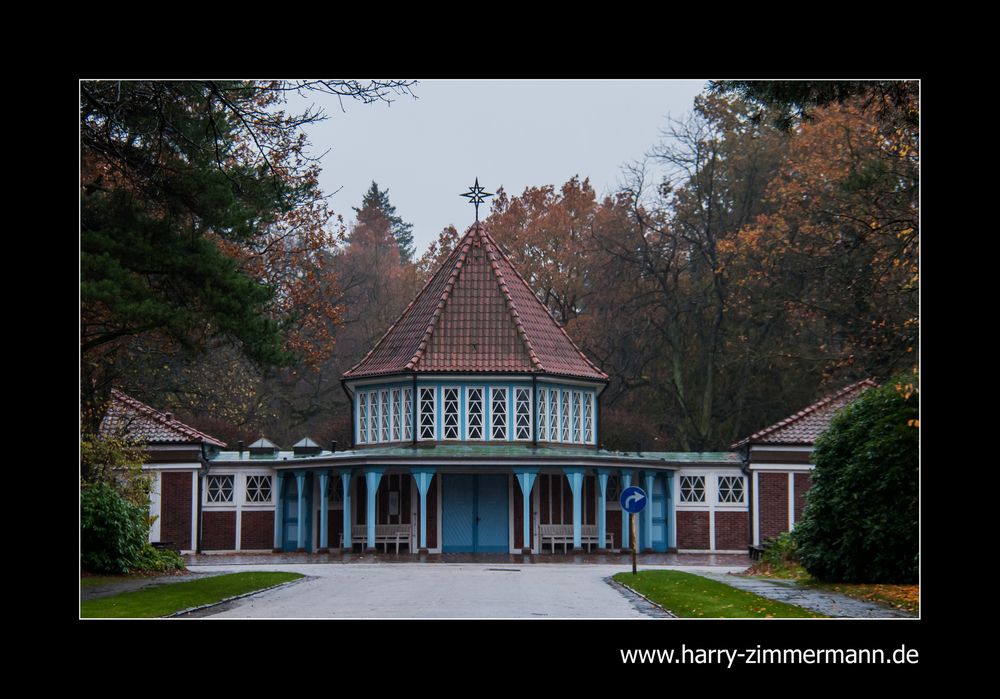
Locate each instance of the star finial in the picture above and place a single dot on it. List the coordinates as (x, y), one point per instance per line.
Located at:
(477, 195)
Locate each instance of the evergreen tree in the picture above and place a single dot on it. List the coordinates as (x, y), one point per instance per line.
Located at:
(376, 210)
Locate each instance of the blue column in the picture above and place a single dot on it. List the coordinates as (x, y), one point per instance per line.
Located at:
(575, 477)
(423, 476)
(526, 479)
(278, 512)
(671, 511)
(345, 478)
(324, 543)
(373, 476)
(602, 507)
(300, 482)
(647, 514)
(626, 530)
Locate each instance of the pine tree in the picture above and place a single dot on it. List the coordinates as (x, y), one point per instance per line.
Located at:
(375, 207)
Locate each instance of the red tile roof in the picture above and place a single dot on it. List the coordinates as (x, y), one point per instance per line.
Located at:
(805, 426)
(476, 314)
(127, 415)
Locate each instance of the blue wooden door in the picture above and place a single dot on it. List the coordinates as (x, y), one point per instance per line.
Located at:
(658, 502)
(492, 533)
(474, 513)
(291, 518)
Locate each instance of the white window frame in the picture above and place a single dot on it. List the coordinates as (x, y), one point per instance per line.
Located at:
(543, 415)
(522, 409)
(394, 396)
(407, 408)
(232, 489)
(422, 427)
(457, 415)
(588, 417)
(504, 423)
(362, 417)
(577, 417)
(565, 411)
(481, 403)
(260, 479)
(718, 490)
(704, 489)
(554, 410)
(384, 415)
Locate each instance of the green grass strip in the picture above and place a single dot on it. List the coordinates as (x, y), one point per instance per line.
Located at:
(174, 597)
(694, 597)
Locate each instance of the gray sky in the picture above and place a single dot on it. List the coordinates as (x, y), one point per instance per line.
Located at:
(515, 134)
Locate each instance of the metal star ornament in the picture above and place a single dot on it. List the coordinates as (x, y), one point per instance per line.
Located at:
(477, 195)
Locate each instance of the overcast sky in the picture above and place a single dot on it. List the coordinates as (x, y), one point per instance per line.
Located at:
(515, 134)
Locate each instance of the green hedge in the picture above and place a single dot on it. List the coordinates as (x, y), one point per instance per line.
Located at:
(860, 524)
(113, 531)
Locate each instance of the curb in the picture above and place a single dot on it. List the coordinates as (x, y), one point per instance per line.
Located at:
(235, 597)
(666, 611)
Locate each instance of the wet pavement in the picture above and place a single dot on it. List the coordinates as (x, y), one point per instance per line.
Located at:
(827, 603)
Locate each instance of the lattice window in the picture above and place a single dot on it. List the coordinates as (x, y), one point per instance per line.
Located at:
(543, 415)
(384, 416)
(258, 489)
(362, 417)
(373, 416)
(450, 413)
(588, 418)
(426, 412)
(394, 399)
(564, 416)
(577, 415)
(335, 489)
(731, 489)
(614, 492)
(407, 414)
(498, 413)
(474, 413)
(692, 489)
(553, 415)
(522, 413)
(220, 488)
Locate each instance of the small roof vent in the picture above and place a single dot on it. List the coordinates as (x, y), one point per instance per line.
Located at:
(264, 449)
(306, 447)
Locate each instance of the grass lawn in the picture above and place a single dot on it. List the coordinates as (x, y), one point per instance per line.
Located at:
(174, 597)
(905, 597)
(694, 597)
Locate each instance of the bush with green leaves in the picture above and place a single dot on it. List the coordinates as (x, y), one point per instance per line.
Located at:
(780, 551)
(113, 531)
(860, 524)
(154, 560)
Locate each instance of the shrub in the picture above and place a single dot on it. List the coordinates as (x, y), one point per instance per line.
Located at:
(781, 551)
(154, 560)
(861, 520)
(112, 530)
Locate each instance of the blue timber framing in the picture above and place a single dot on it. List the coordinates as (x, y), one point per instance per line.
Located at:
(575, 477)
(278, 511)
(626, 529)
(526, 479)
(300, 529)
(602, 506)
(373, 476)
(324, 544)
(423, 475)
(345, 478)
(647, 513)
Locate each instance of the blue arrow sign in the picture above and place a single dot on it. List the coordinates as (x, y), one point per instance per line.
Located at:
(633, 499)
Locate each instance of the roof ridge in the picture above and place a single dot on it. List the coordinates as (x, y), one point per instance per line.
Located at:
(547, 310)
(808, 410)
(456, 272)
(162, 418)
(493, 248)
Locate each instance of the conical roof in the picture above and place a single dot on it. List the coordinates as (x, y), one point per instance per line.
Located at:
(476, 314)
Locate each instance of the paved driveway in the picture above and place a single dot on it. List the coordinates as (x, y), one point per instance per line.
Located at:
(415, 590)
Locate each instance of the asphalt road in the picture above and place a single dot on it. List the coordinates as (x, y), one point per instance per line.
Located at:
(408, 590)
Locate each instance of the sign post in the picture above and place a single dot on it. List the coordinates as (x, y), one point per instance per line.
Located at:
(633, 500)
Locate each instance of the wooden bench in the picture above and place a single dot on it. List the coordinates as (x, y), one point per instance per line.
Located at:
(384, 534)
(563, 534)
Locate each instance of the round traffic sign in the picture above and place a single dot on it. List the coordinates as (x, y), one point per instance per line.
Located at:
(633, 499)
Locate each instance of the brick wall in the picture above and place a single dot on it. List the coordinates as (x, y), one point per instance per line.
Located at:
(175, 508)
(692, 530)
(218, 531)
(803, 482)
(773, 499)
(256, 530)
(731, 530)
(614, 525)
